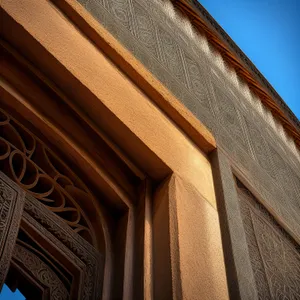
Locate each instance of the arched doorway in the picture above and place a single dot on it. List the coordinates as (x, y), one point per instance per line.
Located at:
(72, 230)
(114, 126)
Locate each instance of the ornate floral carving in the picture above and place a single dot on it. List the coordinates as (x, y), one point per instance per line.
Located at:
(274, 255)
(40, 271)
(30, 163)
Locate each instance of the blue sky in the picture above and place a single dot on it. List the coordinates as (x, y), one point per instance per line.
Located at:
(268, 32)
(6, 294)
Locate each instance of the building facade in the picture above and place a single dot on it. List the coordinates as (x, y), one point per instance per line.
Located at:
(142, 156)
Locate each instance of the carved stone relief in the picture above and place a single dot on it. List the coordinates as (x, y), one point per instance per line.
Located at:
(11, 208)
(41, 272)
(209, 95)
(81, 253)
(274, 255)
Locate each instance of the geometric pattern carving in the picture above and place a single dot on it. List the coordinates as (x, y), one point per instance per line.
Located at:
(284, 174)
(74, 247)
(274, 255)
(197, 81)
(146, 37)
(121, 12)
(11, 207)
(245, 60)
(260, 147)
(230, 117)
(171, 55)
(36, 169)
(40, 272)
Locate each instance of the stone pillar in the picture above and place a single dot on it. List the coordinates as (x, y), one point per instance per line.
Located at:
(241, 283)
(188, 257)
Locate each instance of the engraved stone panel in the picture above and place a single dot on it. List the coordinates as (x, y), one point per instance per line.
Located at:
(197, 81)
(284, 174)
(260, 147)
(171, 55)
(230, 117)
(11, 207)
(121, 12)
(145, 29)
(275, 256)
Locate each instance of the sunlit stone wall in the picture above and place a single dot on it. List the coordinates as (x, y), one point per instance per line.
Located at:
(183, 61)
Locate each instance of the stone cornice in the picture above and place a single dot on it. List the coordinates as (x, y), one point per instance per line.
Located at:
(235, 58)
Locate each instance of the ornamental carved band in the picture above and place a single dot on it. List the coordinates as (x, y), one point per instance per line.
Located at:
(11, 207)
(41, 272)
(80, 253)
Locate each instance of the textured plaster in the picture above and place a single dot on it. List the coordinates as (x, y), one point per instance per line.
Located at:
(189, 239)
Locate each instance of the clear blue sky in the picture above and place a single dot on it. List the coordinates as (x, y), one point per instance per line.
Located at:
(268, 32)
(6, 294)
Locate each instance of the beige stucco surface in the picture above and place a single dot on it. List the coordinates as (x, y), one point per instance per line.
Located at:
(200, 251)
(114, 90)
(188, 238)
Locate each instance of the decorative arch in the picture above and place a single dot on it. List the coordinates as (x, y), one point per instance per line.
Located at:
(94, 199)
(52, 260)
(35, 167)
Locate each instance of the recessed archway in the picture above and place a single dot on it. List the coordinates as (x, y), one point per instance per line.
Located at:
(53, 169)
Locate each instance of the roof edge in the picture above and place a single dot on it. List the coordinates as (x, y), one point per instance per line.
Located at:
(204, 23)
(245, 60)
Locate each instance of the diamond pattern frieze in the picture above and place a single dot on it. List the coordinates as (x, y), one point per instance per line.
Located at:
(171, 55)
(145, 29)
(230, 117)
